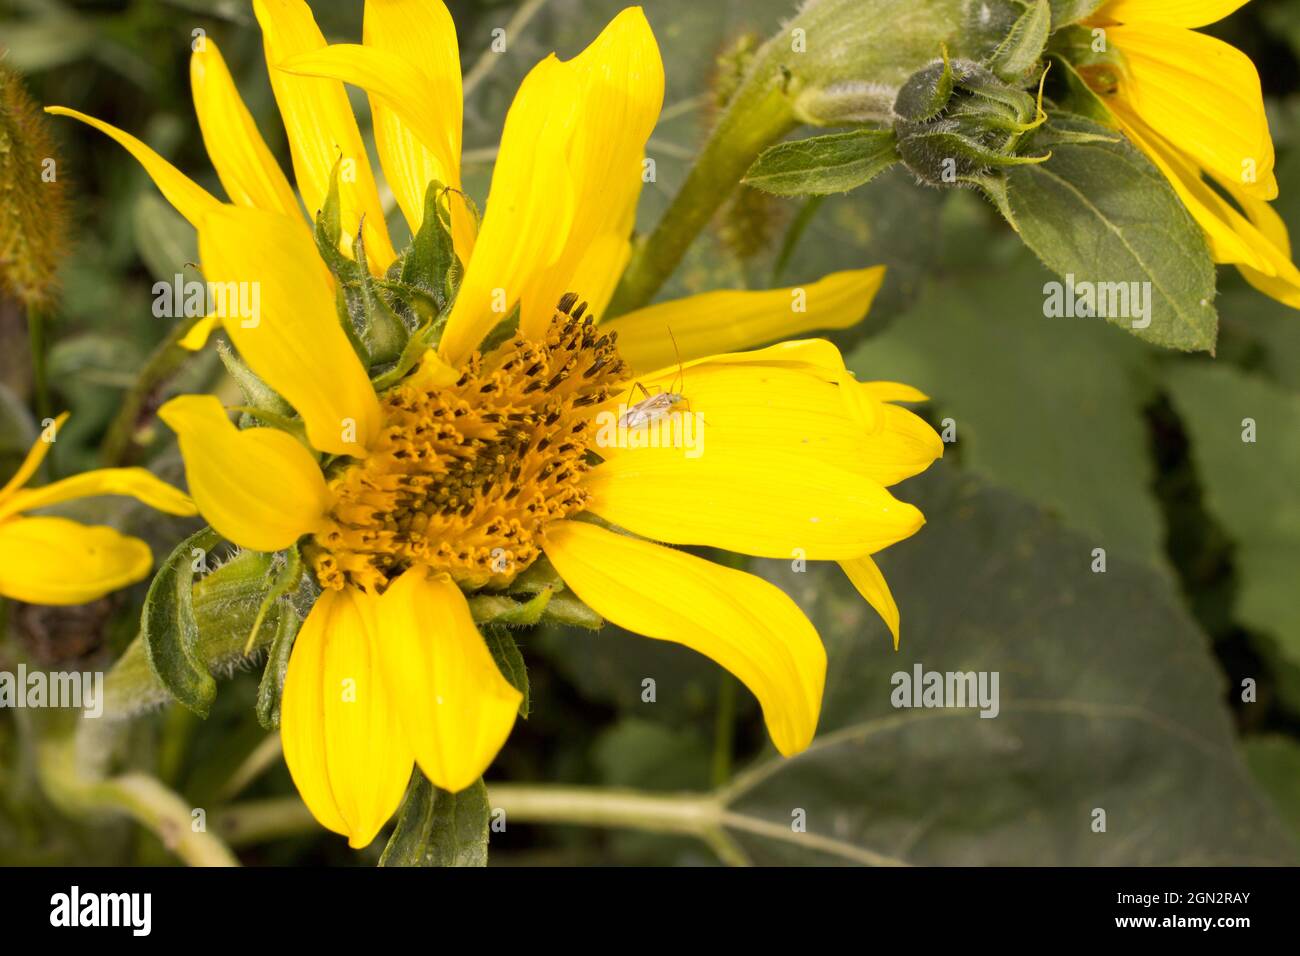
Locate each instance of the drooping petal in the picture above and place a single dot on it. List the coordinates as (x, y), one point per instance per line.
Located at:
(295, 342)
(199, 333)
(244, 164)
(1283, 283)
(188, 198)
(1174, 13)
(742, 622)
(529, 208)
(321, 128)
(620, 78)
(727, 321)
(57, 561)
(871, 584)
(1204, 97)
(456, 708)
(258, 487)
(137, 483)
(343, 740)
(35, 455)
(894, 392)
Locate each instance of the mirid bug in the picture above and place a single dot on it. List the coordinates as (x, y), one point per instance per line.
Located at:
(654, 407)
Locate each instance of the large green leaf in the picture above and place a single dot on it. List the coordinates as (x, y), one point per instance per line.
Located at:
(1108, 699)
(1275, 761)
(1049, 407)
(1100, 212)
(1250, 486)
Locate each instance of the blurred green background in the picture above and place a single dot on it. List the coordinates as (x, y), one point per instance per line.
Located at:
(1120, 691)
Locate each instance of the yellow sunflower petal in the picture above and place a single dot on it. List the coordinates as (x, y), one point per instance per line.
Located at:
(189, 198)
(529, 208)
(725, 321)
(456, 708)
(244, 164)
(421, 32)
(343, 741)
(620, 78)
(35, 455)
(134, 482)
(871, 584)
(258, 488)
(748, 410)
(1203, 96)
(200, 332)
(57, 561)
(740, 621)
(1222, 225)
(1282, 282)
(295, 343)
(894, 392)
(1174, 13)
(321, 128)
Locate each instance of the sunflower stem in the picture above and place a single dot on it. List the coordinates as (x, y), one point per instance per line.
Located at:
(758, 115)
(40, 376)
(166, 358)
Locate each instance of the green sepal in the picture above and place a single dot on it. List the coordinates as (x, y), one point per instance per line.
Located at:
(926, 92)
(430, 261)
(288, 569)
(437, 828)
(1019, 51)
(510, 661)
(257, 394)
(271, 687)
(501, 610)
(169, 630)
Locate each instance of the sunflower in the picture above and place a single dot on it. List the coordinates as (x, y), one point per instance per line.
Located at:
(488, 457)
(1194, 105)
(51, 560)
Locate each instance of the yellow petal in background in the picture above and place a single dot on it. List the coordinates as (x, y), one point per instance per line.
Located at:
(258, 487)
(133, 482)
(726, 321)
(871, 584)
(342, 737)
(1203, 96)
(244, 164)
(35, 455)
(742, 622)
(188, 198)
(1174, 13)
(529, 209)
(321, 129)
(198, 335)
(456, 708)
(57, 561)
(295, 343)
(620, 81)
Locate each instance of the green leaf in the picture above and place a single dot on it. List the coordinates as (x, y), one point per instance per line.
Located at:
(1101, 212)
(437, 828)
(834, 163)
(1108, 698)
(1250, 486)
(1275, 761)
(169, 630)
(510, 661)
(1051, 408)
(1017, 54)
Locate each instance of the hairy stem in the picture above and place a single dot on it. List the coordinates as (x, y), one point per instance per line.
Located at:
(167, 357)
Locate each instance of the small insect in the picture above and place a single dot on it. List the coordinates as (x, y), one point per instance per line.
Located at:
(655, 406)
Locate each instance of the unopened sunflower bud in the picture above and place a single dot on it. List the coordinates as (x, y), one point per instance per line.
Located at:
(33, 208)
(956, 121)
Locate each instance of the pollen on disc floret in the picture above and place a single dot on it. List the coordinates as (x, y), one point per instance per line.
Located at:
(464, 478)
